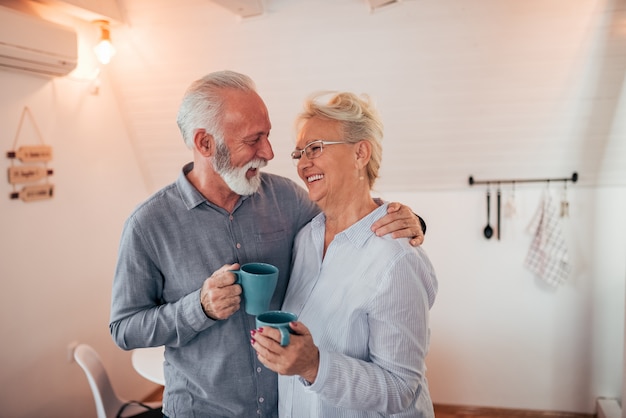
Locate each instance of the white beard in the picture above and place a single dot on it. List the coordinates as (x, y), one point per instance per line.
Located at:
(235, 177)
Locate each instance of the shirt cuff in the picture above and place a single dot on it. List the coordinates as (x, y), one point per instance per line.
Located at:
(322, 374)
(193, 312)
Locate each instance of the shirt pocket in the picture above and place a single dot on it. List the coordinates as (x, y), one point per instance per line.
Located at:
(271, 236)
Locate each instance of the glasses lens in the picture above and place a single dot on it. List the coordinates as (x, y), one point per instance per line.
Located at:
(295, 157)
(314, 149)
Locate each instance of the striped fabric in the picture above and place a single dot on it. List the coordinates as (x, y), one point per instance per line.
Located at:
(367, 306)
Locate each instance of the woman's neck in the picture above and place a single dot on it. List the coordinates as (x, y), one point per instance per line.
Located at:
(340, 217)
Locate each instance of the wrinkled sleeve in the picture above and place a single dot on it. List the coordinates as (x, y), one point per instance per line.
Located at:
(139, 316)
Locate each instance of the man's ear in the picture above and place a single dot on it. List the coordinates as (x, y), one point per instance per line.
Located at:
(204, 142)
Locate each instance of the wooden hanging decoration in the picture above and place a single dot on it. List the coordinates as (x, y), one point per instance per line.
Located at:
(34, 169)
(32, 154)
(36, 192)
(27, 173)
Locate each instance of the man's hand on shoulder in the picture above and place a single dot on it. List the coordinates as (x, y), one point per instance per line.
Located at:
(401, 222)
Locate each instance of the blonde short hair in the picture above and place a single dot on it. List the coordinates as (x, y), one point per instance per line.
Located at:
(359, 120)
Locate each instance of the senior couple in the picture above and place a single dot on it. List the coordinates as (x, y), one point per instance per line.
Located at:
(362, 295)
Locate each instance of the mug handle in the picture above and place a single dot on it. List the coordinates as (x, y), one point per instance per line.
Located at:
(237, 273)
(284, 336)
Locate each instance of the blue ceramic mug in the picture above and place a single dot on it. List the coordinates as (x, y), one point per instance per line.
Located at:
(258, 281)
(279, 320)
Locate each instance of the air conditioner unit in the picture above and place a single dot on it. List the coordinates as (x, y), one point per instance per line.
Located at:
(32, 44)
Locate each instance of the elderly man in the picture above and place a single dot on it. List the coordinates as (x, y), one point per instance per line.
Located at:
(221, 209)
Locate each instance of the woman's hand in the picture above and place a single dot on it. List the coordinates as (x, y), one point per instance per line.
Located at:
(300, 357)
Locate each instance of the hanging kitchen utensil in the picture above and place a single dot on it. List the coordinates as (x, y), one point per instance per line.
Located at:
(564, 202)
(498, 225)
(488, 231)
(510, 208)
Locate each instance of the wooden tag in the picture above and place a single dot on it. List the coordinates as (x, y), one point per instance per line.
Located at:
(32, 193)
(32, 153)
(27, 173)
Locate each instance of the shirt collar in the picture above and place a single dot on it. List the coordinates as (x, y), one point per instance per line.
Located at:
(359, 232)
(190, 195)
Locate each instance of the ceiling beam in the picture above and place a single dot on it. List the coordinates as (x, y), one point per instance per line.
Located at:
(243, 8)
(377, 4)
(88, 10)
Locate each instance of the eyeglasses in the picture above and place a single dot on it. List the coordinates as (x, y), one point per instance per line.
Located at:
(313, 149)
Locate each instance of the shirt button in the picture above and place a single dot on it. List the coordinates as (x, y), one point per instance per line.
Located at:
(231, 217)
(261, 399)
(258, 369)
(238, 245)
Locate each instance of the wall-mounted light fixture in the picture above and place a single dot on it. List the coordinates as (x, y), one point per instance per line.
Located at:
(105, 49)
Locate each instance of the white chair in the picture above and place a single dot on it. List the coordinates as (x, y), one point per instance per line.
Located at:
(108, 403)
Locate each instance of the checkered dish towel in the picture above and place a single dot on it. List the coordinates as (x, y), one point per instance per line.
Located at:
(547, 256)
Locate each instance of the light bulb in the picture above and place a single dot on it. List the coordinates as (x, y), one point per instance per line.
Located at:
(105, 49)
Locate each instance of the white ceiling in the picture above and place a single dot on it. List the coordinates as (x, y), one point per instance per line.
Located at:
(489, 88)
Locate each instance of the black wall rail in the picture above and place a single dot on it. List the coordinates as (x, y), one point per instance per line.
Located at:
(573, 179)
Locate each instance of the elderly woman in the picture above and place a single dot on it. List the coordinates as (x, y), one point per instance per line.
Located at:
(359, 346)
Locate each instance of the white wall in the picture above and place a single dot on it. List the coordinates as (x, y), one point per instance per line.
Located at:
(518, 88)
(502, 337)
(57, 256)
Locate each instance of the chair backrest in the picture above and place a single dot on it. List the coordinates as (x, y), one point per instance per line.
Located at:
(107, 401)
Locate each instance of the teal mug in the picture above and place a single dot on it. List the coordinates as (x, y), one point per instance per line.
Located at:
(279, 320)
(258, 281)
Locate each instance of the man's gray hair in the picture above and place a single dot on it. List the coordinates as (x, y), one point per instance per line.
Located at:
(203, 103)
